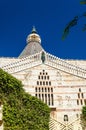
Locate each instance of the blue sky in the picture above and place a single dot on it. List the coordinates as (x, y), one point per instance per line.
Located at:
(50, 18)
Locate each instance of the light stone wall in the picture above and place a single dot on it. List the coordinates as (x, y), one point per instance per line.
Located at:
(65, 87)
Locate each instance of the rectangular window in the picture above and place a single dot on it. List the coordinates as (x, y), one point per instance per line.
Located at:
(42, 90)
(82, 95)
(48, 89)
(77, 102)
(42, 97)
(49, 82)
(51, 89)
(37, 82)
(39, 89)
(81, 102)
(46, 83)
(85, 101)
(79, 89)
(43, 82)
(52, 99)
(36, 89)
(41, 77)
(40, 83)
(48, 99)
(44, 77)
(48, 77)
(45, 89)
(78, 95)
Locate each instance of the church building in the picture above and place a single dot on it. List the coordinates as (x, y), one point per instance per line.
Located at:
(59, 83)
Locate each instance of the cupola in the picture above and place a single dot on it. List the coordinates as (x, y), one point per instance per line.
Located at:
(33, 37)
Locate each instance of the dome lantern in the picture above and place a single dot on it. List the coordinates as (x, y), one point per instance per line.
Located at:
(33, 37)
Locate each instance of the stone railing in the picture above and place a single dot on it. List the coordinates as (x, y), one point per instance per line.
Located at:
(23, 63)
(64, 66)
(50, 60)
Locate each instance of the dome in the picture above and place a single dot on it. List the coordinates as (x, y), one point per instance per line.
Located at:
(33, 44)
(33, 37)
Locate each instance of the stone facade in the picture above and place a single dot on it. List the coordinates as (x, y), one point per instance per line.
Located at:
(61, 84)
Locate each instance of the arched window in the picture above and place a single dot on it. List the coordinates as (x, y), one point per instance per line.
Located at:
(65, 117)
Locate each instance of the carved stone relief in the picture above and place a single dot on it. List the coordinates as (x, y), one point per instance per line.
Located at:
(60, 101)
(59, 78)
(28, 75)
(68, 99)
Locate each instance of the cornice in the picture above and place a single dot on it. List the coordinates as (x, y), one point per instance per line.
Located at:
(50, 60)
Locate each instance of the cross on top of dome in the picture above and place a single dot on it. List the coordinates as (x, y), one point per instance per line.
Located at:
(33, 30)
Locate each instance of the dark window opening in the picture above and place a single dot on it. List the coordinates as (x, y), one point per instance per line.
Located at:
(49, 82)
(79, 89)
(77, 102)
(82, 95)
(78, 95)
(65, 117)
(81, 102)
(37, 82)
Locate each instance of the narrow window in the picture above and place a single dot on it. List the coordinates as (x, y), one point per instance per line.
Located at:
(79, 89)
(49, 82)
(82, 95)
(48, 77)
(77, 102)
(46, 83)
(78, 95)
(42, 90)
(42, 97)
(43, 73)
(38, 77)
(65, 117)
(44, 77)
(51, 89)
(39, 89)
(52, 99)
(45, 89)
(40, 83)
(37, 82)
(46, 98)
(48, 89)
(36, 89)
(81, 102)
(43, 82)
(39, 96)
(46, 73)
(85, 101)
(41, 77)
